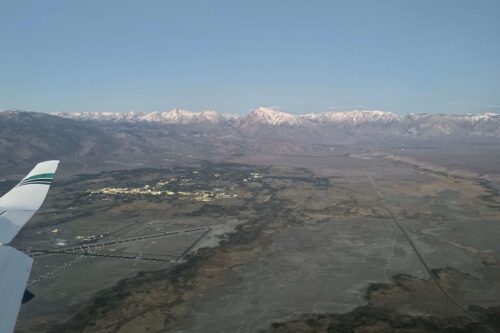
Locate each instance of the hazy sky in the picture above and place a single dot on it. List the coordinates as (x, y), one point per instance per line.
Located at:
(233, 56)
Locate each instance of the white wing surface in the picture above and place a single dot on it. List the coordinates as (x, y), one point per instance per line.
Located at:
(16, 207)
(19, 204)
(15, 269)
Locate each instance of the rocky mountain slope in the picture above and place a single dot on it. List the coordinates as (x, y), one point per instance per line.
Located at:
(28, 137)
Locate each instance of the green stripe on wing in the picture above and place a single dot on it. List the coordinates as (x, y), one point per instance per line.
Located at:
(40, 179)
(41, 175)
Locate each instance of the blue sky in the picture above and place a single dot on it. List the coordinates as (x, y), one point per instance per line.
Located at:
(233, 56)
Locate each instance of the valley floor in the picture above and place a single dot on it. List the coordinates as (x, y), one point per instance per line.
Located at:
(342, 240)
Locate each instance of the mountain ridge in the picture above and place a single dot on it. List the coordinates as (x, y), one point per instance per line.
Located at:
(267, 115)
(90, 140)
(352, 123)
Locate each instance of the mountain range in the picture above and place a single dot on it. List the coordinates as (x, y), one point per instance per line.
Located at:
(387, 123)
(93, 138)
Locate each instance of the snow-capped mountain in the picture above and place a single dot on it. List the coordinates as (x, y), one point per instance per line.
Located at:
(176, 116)
(272, 122)
(270, 116)
(354, 117)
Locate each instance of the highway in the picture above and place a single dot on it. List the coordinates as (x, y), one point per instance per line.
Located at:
(416, 251)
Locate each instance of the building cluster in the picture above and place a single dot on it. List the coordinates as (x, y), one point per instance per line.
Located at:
(145, 190)
(160, 190)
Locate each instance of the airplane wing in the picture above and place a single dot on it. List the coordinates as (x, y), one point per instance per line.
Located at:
(16, 208)
(15, 269)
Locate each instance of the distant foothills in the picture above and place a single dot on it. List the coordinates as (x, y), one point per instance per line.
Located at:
(91, 138)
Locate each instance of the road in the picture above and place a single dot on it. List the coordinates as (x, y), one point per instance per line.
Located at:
(416, 251)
